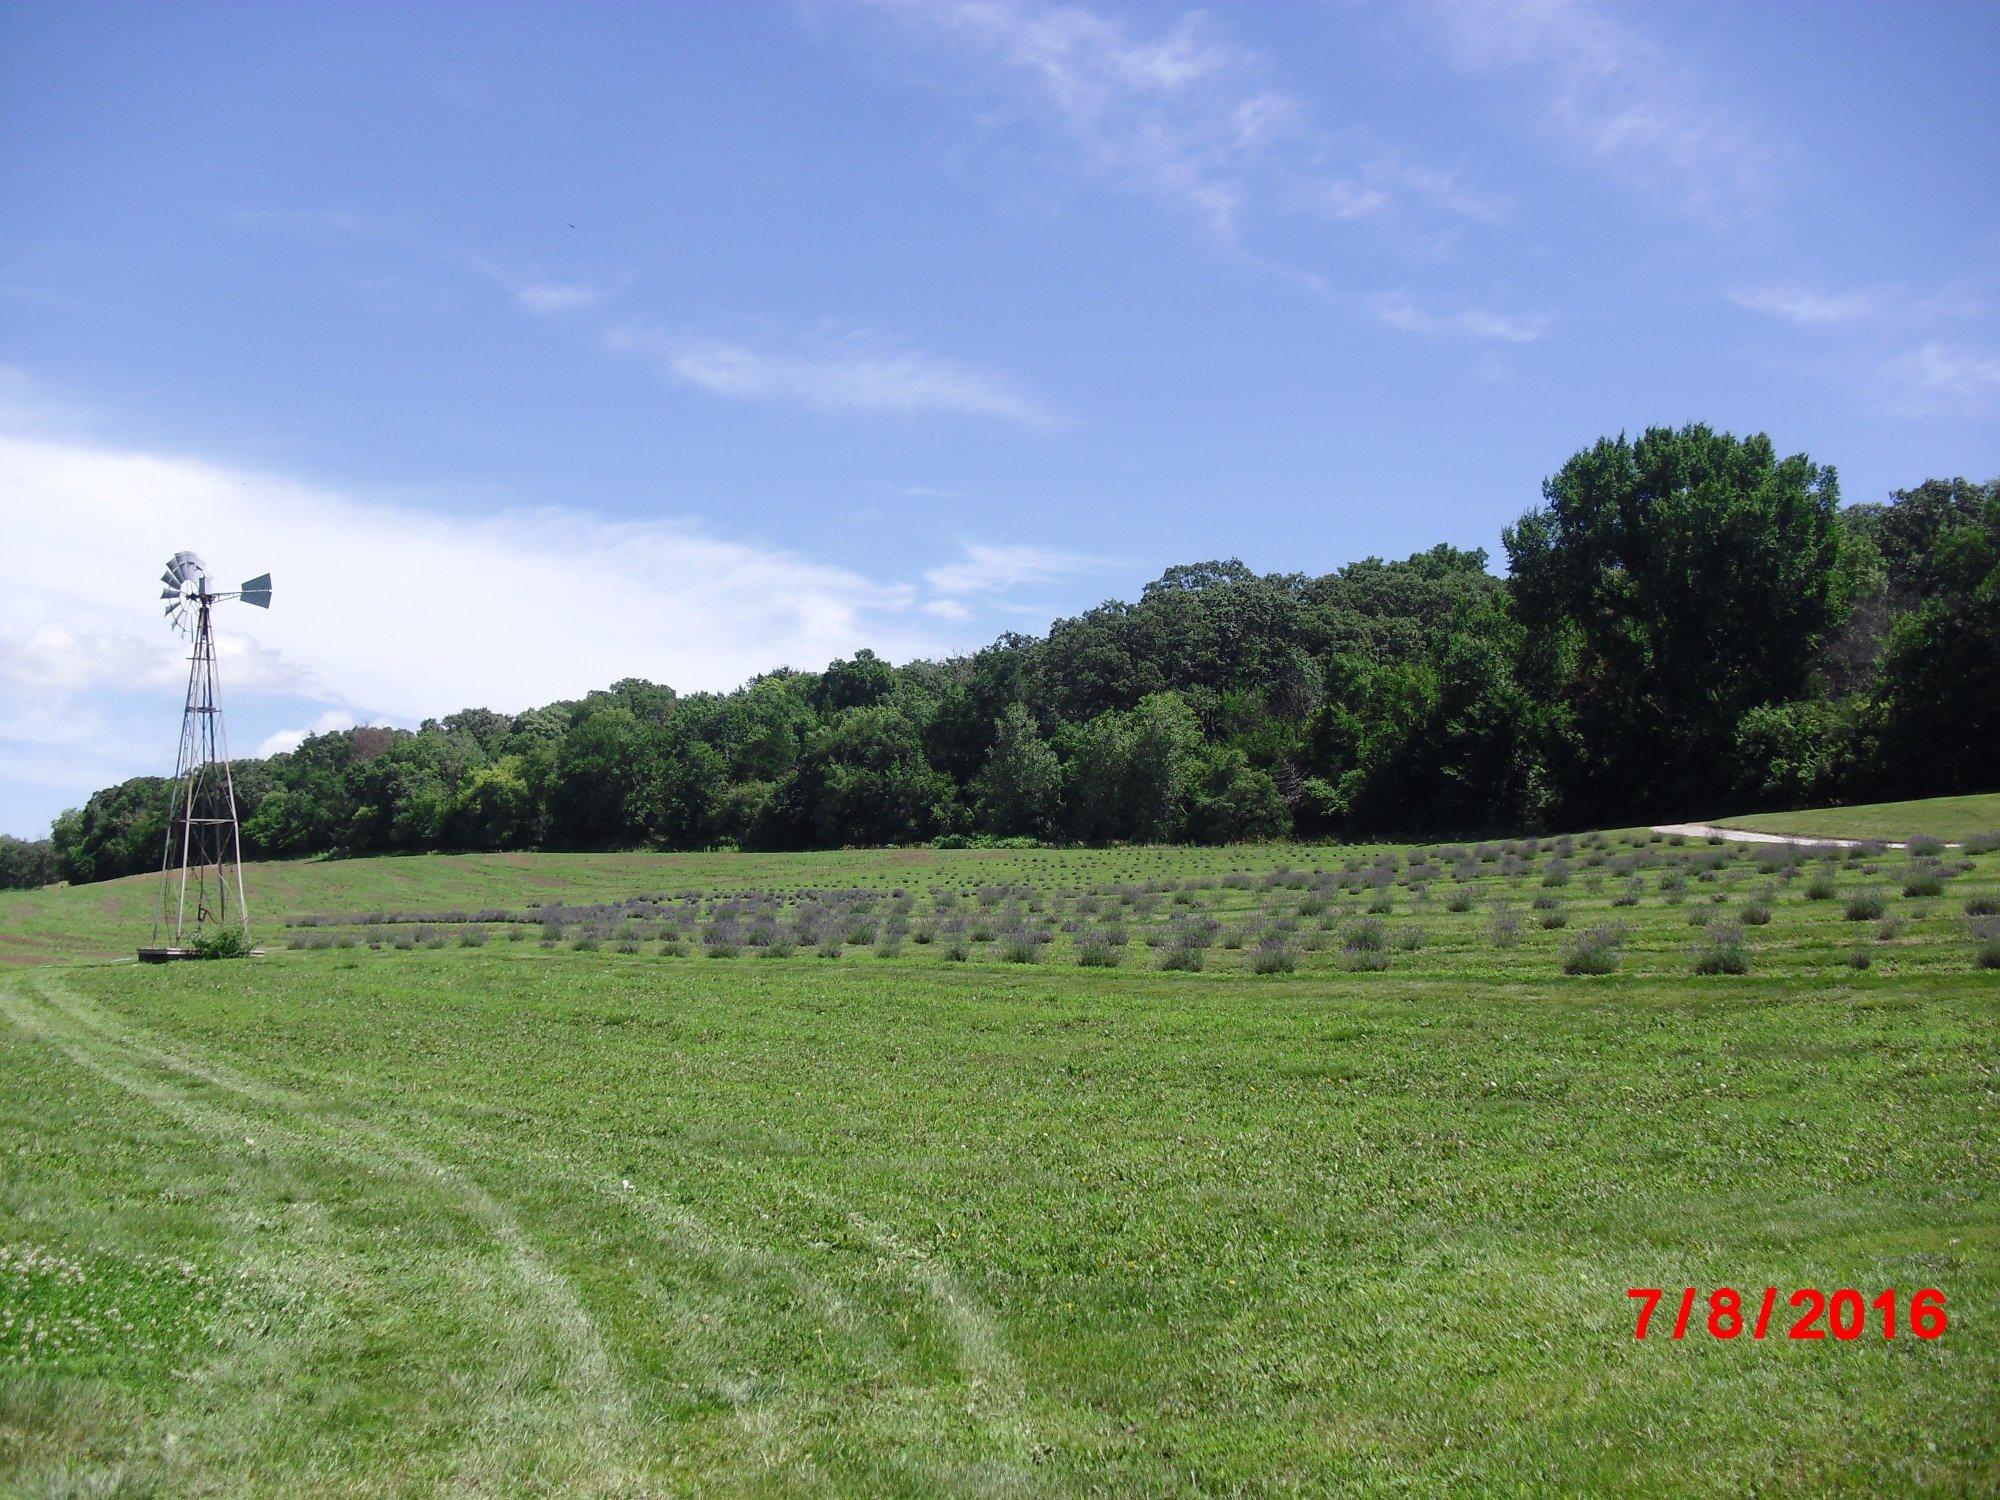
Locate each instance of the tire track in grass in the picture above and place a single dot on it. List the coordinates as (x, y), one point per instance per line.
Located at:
(602, 1406)
(1000, 1393)
(229, 1377)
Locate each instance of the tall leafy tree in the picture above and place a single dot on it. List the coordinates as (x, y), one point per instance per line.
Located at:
(1019, 789)
(1674, 582)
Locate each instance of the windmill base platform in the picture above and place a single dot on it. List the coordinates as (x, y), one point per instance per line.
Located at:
(170, 955)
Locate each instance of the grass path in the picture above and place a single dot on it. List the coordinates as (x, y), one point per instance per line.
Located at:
(1754, 836)
(1950, 818)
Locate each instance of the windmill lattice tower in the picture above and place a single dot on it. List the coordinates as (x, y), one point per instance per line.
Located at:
(201, 869)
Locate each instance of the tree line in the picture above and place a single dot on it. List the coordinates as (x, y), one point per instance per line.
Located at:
(1689, 624)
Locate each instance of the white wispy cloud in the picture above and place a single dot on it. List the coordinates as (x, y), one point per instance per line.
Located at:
(846, 372)
(555, 297)
(1399, 310)
(536, 293)
(1801, 305)
(1606, 90)
(382, 611)
(1180, 112)
(989, 568)
(1941, 379)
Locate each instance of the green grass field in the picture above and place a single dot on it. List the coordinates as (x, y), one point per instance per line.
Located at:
(1934, 817)
(792, 1197)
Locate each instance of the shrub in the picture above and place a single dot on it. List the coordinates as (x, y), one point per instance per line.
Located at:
(1017, 948)
(1986, 945)
(1982, 906)
(1382, 903)
(1095, 953)
(1630, 894)
(1183, 956)
(1273, 957)
(1366, 936)
(1458, 900)
(1865, 906)
(1924, 847)
(1820, 885)
(1551, 920)
(1982, 843)
(1363, 960)
(957, 951)
(473, 937)
(1924, 882)
(1506, 929)
(1721, 952)
(1860, 958)
(586, 944)
(1594, 951)
(1755, 914)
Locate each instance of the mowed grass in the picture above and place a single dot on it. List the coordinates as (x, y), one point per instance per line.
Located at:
(528, 1217)
(1933, 817)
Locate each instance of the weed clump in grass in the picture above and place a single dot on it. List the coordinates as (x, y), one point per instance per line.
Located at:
(1505, 931)
(1860, 958)
(1552, 919)
(1459, 900)
(1755, 914)
(1820, 885)
(1184, 956)
(1982, 906)
(1865, 906)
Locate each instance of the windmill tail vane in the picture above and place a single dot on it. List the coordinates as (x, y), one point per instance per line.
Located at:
(201, 867)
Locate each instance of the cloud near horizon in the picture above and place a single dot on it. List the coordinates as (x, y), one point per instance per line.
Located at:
(382, 612)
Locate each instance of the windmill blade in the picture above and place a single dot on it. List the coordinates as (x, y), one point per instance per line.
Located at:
(170, 578)
(170, 593)
(257, 591)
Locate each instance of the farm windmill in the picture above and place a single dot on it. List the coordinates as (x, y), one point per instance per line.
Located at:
(201, 869)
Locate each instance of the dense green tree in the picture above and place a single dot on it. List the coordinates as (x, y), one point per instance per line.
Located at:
(1019, 791)
(1679, 581)
(1131, 774)
(25, 863)
(595, 774)
(1941, 663)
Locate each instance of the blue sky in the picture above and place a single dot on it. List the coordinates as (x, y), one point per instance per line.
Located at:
(534, 347)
